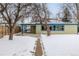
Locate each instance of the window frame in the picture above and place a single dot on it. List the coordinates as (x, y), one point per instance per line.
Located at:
(58, 27)
(53, 29)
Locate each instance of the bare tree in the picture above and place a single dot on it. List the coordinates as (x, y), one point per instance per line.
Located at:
(36, 13)
(41, 14)
(46, 18)
(12, 13)
(72, 10)
(77, 7)
(66, 14)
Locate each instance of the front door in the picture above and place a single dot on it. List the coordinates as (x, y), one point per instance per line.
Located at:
(33, 29)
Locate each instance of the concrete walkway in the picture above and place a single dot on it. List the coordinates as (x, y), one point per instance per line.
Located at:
(38, 51)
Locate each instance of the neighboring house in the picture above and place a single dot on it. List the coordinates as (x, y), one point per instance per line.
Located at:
(56, 27)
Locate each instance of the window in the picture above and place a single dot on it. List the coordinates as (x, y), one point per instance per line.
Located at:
(44, 28)
(54, 27)
(50, 27)
(58, 27)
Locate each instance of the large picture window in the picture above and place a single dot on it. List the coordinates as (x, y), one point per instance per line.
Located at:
(58, 27)
(54, 27)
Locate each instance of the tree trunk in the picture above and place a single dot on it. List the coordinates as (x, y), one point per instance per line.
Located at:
(11, 36)
(10, 33)
(48, 30)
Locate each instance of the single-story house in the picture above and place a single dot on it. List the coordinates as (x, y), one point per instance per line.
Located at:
(56, 27)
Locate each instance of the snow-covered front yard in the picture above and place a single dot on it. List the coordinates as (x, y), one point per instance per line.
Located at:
(20, 46)
(54, 45)
(61, 45)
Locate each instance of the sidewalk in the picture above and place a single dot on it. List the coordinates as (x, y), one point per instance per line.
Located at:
(38, 51)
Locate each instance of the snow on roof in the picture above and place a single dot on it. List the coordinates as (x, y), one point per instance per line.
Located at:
(60, 22)
(25, 21)
(55, 22)
(29, 21)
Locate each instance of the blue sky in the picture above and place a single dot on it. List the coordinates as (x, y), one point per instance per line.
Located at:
(54, 8)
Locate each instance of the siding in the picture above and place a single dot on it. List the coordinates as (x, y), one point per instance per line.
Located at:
(68, 29)
(38, 29)
(72, 29)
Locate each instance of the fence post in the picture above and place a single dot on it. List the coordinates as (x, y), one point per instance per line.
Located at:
(2, 30)
(5, 28)
(22, 29)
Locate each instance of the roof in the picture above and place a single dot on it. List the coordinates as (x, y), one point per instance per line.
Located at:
(60, 22)
(51, 21)
(55, 22)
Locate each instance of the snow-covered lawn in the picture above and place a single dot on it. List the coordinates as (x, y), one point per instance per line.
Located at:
(21, 45)
(54, 45)
(61, 45)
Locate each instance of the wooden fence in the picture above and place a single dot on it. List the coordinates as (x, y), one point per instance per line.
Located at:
(5, 31)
